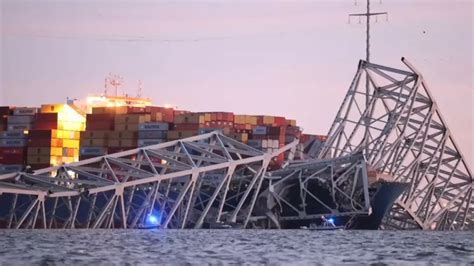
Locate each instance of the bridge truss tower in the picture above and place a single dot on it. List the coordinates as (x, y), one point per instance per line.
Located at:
(408, 140)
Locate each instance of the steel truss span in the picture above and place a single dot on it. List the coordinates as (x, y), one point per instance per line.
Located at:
(391, 116)
(188, 183)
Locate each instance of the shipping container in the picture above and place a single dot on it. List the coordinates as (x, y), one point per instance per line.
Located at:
(19, 127)
(123, 135)
(152, 134)
(20, 119)
(188, 126)
(180, 134)
(12, 142)
(95, 151)
(100, 117)
(4, 111)
(118, 110)
(46, 142)
(148, 142)
(45, 151)
(100, 125)
(241, 137)
(132, 118)
(259, 130)
(54, 133)
(122, 143)
(153, 126)
(127, 127)
(12, 150)
(291, 122)
(12, 159)
(36, 166)
(25, 111)
(11, 168)
(35, 159)
(93, 142)
(189, 119)
(254, 143)
(18, 134)
(95, 134)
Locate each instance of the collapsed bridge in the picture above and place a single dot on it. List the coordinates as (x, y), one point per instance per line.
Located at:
(388, 139)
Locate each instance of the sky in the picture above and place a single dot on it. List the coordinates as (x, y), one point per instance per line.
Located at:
(288, 58)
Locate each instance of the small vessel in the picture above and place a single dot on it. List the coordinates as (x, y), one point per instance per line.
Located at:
(325, 227)
(148, 227)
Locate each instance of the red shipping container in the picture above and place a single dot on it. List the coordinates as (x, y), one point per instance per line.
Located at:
(279, 121)
(188, 126)
(46, 117)
(4, 111)
(12, 159)
(12, 151)
(100, 117)
(100, 125)
(45, 125)
(39, 166)
(180, 112)
(34, 142)
(38, 134)
(135, 110)
(229, 117)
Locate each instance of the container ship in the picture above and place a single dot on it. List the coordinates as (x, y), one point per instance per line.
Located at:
(33, 138)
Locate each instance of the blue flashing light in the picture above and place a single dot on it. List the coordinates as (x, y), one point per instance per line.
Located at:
(331, 220)
(152, 219)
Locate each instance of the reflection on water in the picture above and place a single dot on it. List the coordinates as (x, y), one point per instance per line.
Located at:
(68, 247)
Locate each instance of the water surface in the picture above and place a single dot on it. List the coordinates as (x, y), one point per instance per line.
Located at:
(283, 247)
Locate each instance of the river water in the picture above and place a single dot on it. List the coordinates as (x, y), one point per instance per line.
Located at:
(275, 247)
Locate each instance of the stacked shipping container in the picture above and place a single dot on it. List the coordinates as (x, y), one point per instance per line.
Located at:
(13, 137)
(54, 138)
(114, 129)
(54, 132)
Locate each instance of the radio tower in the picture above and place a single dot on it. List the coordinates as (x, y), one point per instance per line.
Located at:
(368, 15)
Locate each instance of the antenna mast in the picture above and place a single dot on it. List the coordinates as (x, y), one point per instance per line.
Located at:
(368, 15)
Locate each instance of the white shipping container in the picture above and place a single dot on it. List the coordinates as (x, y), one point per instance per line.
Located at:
(21, 127)
(265, 143)
(275, 143)
(153, 126)
(11, 168)
(12, 134)
(25, 111)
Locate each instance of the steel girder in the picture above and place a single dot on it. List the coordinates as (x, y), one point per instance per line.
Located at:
(186, 183)
(341, 184)
(391, 116)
